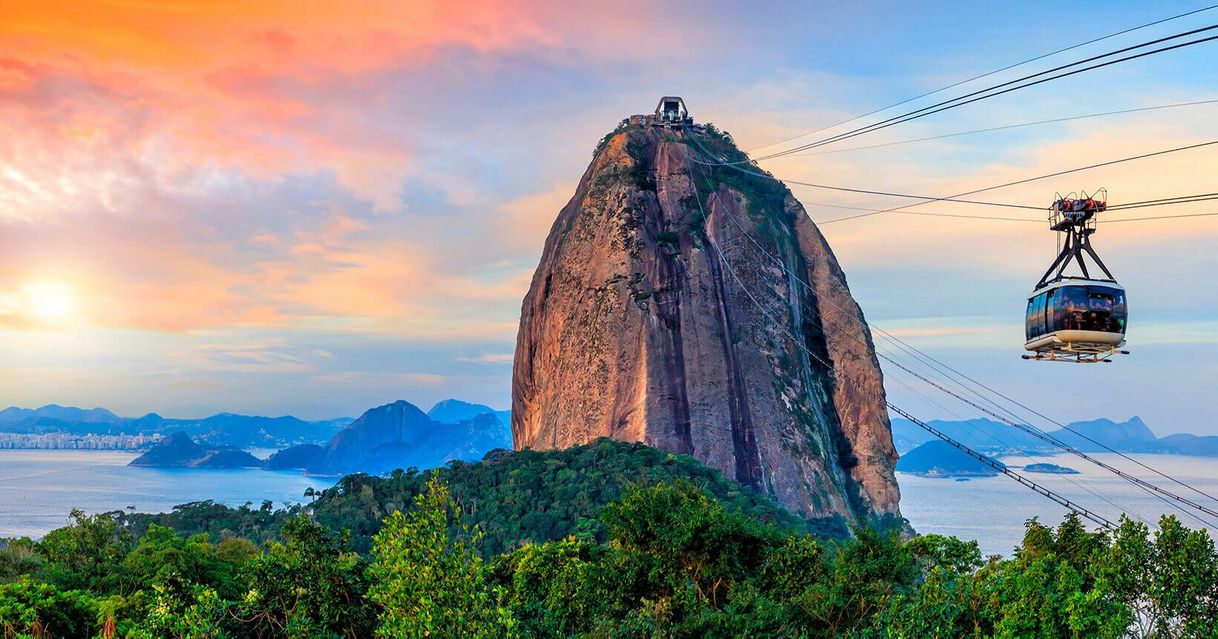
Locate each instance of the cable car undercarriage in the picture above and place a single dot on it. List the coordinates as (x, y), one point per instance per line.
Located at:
(1071, 318)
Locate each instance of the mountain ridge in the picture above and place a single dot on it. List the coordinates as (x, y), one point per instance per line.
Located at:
(1129, 436)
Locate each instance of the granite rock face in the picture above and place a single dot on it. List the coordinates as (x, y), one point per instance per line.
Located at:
(699, 310)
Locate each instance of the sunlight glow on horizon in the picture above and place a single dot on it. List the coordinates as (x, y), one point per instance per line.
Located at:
(48, 302)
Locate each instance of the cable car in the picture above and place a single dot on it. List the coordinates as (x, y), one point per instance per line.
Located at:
(1073, 318)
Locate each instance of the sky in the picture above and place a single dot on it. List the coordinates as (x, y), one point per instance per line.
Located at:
(312, 209)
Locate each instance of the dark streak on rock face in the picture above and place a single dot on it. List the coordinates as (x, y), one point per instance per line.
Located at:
(634, 329)
(744, 441)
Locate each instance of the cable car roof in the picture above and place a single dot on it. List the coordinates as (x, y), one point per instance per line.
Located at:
(1075, 281)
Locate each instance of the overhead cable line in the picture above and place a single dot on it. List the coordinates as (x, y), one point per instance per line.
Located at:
(1023, 181)
(1146, 486)
(997, 466)
(951, 198)
(927, 198)
(990, 92)
(1166, 201)
(1007, 127)
(961, 216)
(1183, 199)
(1007, 445)
(995, 71)
(1119, 207)
(935, 363)
(1053, 441)
(1160, 217)
(736, 223)
(1002, 468)
(1031, 453)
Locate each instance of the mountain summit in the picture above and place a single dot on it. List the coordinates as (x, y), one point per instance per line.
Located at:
(670, 308)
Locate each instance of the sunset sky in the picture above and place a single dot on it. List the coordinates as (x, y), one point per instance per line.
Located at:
(314, 208)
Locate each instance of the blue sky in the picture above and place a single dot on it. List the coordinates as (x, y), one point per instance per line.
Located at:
(271, 211)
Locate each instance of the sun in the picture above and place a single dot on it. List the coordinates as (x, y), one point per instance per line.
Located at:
(48, 301)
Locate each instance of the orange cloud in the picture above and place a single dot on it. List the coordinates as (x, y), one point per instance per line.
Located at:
(185, 37)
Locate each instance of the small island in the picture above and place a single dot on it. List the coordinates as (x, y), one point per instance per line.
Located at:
(179, 451)
(940, 459)
(1051, 469)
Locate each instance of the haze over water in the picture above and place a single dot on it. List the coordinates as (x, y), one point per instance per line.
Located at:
(993, 510)
(39, 488)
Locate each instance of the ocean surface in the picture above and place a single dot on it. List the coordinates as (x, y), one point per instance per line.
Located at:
(39, 488)
(993, 510)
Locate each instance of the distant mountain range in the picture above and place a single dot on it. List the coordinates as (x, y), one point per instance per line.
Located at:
(1130, 436)
(396, 435)
(219, 431)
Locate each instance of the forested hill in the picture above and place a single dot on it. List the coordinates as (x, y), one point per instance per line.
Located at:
(690, 557)
(515, 497)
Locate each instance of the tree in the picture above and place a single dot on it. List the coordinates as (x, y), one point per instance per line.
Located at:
(18, 557)
(310, 585)
(429, 583)
(86, 554)
(32, 609)
(1049, 589)
(183, 611)
(162, 557)
(1168, 582)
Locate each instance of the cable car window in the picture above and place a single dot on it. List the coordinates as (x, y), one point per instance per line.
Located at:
(1106, 309)
(1050, 315)
(1036, 323)
(1027, 318)
(1070, 308)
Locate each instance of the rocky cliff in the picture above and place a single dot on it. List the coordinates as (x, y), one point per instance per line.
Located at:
(699, 310)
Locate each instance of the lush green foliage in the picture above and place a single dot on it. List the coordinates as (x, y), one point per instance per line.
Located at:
(661, 559)
(430, 583)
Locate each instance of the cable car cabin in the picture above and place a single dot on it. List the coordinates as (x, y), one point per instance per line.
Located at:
(1076, 319)
(1072, 318)
(671, 111)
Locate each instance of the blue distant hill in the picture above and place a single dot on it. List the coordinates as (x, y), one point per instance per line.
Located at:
(396, 435)
(385, 438)
(221, 429)
(1129, 436)
(451, 411)
(399, 435)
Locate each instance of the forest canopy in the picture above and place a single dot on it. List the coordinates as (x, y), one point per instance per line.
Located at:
(665, 556)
